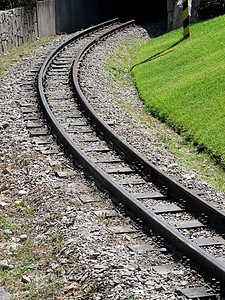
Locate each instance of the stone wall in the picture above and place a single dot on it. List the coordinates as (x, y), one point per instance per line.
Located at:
(175, 13)
(17, 27)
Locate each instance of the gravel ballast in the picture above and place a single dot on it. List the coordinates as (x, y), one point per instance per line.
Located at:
(57, 241)
(108, 94)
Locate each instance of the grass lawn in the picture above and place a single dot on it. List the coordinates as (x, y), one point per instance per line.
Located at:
(182, 82)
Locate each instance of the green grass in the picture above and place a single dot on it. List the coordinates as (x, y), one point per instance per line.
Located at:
(117, 70)
(182, 82)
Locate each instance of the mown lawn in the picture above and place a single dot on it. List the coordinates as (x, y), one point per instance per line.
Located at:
(183, 83)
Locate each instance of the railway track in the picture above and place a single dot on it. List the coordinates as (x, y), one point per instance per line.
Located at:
(178, 218)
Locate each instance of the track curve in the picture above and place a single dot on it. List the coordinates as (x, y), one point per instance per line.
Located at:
(214, 217)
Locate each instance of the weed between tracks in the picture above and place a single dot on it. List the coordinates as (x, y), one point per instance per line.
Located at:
(24, 264)
(118, 69)
(16, 54)
(24, 261)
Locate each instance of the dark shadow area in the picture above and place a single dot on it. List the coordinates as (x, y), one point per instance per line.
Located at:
(159, 54)
(156, 28)
(211, 9)
(72, 15)
(142, 10)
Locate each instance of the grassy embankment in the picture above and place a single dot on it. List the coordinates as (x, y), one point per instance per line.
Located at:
(182, 82)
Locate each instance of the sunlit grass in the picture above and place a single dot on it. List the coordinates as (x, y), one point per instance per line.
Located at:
(182, 82)
(119, 64)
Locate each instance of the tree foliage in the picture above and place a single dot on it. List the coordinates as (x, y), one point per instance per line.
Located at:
(8, 4)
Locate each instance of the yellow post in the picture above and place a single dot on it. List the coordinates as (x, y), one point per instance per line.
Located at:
(185, 19)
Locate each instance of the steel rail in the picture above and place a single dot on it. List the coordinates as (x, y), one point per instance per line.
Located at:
(181, 243)
(175, 190)
(67, 42)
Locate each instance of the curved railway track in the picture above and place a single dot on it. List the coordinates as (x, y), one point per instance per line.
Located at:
(155, 201)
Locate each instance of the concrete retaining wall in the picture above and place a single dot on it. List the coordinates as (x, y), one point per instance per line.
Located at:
(57, 16)
(46, 18)
(17, 27)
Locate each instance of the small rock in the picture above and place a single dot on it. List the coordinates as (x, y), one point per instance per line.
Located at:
(23, 140)
(3, 187)
(63, 261)
(171, 166)
(71, 278)
(54, 266)
(74, 286)
(159, 287)
(25, 279)
(99, 266)
(188, 177)
(8, 231)
(4, 204)
(69, 241)
(5, 124)
(53, 163)
(23, 237)
(18, 202)
(64, 219)
(64, 174)
(53, 277)
(163, 250)
(94, 255)
(22, 193)
(84, 277)
(149, 282)
(6, 171)
(14, 246)
(137, 291)
(4, 265)
(126, 272)
(38, 238)
(116, 281)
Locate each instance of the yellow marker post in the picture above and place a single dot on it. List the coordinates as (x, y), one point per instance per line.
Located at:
(185, 19)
